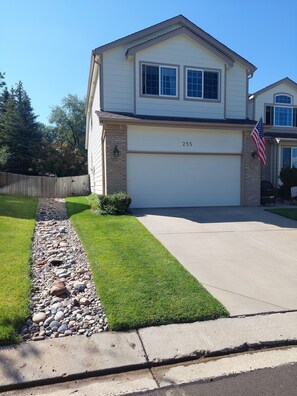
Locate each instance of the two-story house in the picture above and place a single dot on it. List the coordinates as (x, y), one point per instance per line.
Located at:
(277, 105)
(167, 119)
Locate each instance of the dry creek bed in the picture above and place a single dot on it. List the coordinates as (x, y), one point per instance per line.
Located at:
(64, 300)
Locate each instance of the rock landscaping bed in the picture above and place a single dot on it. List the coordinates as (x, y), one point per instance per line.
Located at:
(64, 299)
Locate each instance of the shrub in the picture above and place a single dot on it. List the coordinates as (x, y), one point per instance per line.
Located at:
(288, 177)
(93, 201)
(113, 204)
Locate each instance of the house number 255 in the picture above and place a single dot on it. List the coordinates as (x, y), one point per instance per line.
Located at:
(187, 144)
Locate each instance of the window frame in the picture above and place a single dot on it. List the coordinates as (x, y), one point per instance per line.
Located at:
(283, 94)
(275, 105)
(159, 95)
(274, 116)
(201, 69)
(291, 148)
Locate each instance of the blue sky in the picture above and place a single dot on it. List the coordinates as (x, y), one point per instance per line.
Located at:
(47, 43)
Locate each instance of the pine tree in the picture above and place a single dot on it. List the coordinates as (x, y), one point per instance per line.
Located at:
(19, 132)
(4, 96)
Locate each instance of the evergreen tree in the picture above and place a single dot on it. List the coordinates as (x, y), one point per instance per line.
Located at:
(19, 133)
(4, 96)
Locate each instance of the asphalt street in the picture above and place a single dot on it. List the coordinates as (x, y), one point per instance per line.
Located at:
(279, 381)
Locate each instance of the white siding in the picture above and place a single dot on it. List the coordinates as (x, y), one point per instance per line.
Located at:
(251, 109)
(118, 81)
(118, 77)
(122, 82)
(182, 51)
(94, 146)
(267, 98)
(236, 92)
(148, 139)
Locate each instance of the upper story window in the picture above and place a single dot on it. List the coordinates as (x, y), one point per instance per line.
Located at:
(282, 112)
(283, 99)
(202, 84)
(159, 80)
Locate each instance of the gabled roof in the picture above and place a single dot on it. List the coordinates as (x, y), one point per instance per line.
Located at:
(193, 29)
(174, 33)
(285, 80)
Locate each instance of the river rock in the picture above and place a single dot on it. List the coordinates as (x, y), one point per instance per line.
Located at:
(39, 317)
(62, 308)
(58, 288)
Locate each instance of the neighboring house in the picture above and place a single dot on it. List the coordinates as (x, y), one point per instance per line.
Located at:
(277, 104)
(167, 119)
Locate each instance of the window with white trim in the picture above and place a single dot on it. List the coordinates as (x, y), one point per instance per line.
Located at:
(159, 80)
(289, 157)
(282, 112)
(202, 84)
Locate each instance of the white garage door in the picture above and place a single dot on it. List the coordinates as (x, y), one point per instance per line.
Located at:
(169, 180)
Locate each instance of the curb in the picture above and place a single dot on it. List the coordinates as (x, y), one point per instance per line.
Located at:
(75, 358)
(148, 365)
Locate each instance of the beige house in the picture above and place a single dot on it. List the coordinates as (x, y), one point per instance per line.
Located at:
(277, 105)
(168, 119)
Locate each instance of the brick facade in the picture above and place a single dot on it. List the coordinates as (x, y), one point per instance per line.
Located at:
(115, 166)
(251, 173)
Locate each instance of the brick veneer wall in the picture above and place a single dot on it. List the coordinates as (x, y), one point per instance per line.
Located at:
(251, 173)
(116, 167)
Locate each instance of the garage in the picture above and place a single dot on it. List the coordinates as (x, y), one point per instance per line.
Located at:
(156, 180)
(183, 168)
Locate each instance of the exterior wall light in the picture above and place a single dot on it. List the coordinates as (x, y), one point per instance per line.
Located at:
(116, 151)
(254, 155)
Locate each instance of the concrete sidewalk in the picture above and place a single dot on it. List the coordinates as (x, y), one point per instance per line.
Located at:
(57, 360)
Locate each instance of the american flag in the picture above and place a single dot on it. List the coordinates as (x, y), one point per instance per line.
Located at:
(258, 137)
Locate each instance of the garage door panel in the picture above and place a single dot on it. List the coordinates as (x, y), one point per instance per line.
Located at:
(158, 180)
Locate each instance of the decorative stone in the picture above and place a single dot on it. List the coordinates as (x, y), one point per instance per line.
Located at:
(57, 255)
(55, 324)
(59, 316)
(62, 328)
(79, 286)
(84, 301)
(39, 317)
(38, 338)
(58, 288)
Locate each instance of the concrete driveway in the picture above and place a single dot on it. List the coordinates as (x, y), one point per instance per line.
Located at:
(245, 257)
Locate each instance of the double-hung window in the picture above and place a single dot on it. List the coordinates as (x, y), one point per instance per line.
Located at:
(282, 112)
(202, 84)
(289, 157)
(159, 80)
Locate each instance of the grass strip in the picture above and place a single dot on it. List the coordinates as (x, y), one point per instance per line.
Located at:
(17, 219)
(285, 212)
(139, 282)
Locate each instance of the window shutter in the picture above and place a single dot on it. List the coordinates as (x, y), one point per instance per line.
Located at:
(269, 115)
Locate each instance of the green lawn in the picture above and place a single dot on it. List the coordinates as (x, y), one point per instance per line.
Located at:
(286, 212)
(17, 218)
(139, 282)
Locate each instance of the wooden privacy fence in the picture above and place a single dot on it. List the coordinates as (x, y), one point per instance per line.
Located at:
(43, 186)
